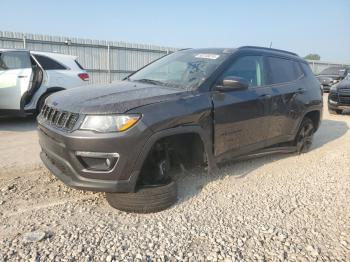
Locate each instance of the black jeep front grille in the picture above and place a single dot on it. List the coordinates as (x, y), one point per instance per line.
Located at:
(344, 99)
(60, 119)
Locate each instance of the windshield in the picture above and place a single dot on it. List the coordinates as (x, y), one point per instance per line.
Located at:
(348, 76)
(186, 69)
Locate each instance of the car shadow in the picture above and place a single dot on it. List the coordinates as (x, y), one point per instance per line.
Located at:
(18, 124)
(346, 112)
(191, 182)
(329, 130)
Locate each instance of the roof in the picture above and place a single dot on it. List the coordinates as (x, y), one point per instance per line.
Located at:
(210, 50)
(232, 50)
(4, 49)
(268, 49)
(50, 54)
(53, 54)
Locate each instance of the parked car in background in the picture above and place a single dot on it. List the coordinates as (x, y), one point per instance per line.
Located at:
(339, 96)
(27, 78)
(330, 76)
(191, 108)
(346, 71)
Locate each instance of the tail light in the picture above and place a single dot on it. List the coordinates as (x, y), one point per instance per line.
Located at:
(84, 76)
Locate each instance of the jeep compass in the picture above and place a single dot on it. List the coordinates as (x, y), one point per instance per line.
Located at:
(194, 107)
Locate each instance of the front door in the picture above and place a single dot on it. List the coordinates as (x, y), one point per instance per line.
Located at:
(15, 78)
(241, 120)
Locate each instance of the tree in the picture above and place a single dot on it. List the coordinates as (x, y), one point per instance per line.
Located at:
(313, 57)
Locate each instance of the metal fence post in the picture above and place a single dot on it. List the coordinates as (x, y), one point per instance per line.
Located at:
(109, 63)
(24, 42)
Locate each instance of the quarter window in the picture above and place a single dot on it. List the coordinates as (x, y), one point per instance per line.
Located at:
(249, 68)
(283, 70)
(48, 63)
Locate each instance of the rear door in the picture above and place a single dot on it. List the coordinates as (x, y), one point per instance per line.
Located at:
(241, 120)
(285, 77)
(15, 78)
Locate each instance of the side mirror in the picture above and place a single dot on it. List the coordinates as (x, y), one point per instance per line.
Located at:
(231, 83)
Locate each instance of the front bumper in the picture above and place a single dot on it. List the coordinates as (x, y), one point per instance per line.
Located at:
(65, 172)
(338, 102)
(59, 154)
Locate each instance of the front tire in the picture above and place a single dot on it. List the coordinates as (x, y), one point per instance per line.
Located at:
(147, 199)
(303, 140)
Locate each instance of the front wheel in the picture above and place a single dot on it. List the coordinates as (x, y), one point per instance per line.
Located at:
(146, 199)
(303, 140)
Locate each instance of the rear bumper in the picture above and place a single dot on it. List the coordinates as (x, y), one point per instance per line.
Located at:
(326, 88)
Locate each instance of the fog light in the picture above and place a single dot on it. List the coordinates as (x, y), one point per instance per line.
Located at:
(108, 162)
(95, 161)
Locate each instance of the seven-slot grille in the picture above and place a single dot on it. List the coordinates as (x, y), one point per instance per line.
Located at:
(344, 95)
(344, 99)
(60, 119)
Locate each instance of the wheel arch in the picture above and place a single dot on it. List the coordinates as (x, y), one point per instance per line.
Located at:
(49, 90)
(315, 116)
(203, 135)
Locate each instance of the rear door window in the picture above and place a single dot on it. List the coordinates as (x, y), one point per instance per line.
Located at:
(48, 63)
(282, 70)
(14, 60)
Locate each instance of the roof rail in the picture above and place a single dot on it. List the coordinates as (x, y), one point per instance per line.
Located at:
(183, 49)
(269, 49)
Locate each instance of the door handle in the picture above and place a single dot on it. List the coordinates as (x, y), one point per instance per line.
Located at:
(22, 76)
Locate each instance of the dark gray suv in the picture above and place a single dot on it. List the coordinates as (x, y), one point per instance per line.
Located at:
(195, 107)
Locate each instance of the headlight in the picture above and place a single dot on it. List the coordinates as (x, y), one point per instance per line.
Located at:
(109, 123)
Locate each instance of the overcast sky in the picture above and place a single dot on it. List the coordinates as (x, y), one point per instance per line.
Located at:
(302, 26)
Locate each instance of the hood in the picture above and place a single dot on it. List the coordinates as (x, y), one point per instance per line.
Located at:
(345, 84)
(113, 98)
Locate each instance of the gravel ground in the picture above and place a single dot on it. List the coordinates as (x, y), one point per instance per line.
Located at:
(275, 208)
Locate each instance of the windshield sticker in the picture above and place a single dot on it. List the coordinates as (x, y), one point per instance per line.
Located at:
(207, 56)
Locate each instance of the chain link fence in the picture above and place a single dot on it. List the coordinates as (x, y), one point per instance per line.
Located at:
(318, 66)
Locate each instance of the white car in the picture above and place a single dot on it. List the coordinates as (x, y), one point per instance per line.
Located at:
(27, 78)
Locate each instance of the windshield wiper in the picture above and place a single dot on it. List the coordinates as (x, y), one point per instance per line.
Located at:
(150, 81)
